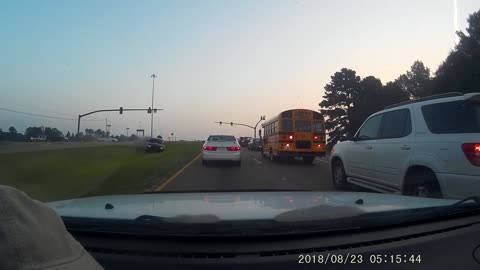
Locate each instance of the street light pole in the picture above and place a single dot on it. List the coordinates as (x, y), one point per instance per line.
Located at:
(153, 92)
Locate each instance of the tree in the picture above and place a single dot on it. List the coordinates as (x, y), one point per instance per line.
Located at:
(392, 93)
(339, 98)
(132, 137)
(460, 71)
(416, 82)
(32, 132)
(348, 101)
(99, 133)
(12, 130)
(368, 101)
(89, 132)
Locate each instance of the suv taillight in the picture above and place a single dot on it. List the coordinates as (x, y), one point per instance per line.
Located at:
(472, 152)
(210, 148)
(233, 148)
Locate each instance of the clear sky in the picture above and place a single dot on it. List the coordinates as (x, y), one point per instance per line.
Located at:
(215, 60)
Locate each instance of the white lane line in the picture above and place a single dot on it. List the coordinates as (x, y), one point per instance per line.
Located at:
(259, 162)
(324, 161)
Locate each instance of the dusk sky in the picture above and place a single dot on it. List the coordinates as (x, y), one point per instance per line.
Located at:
(215, 60)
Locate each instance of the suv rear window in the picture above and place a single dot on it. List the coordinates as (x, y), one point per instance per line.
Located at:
(453, 117)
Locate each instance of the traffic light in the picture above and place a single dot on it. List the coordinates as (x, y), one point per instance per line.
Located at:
(231, 124)
(155, 110)
(149, 110)
(121, 110)
(220, 123)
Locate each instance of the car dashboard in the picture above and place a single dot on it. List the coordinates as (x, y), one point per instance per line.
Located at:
(451, 244)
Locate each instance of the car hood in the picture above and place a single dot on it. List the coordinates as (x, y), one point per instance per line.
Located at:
(284, 206)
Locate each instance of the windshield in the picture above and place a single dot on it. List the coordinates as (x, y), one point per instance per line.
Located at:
(303, 126)
(243, 109)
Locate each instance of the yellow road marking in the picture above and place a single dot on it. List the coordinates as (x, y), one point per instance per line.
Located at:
(161, 186)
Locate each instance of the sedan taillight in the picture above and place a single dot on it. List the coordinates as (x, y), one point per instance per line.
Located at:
(233, 148)
(210, 148)
(472, 152)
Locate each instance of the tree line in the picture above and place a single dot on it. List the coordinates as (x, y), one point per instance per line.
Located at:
(32, 132)
(53, 134)
(348, 99)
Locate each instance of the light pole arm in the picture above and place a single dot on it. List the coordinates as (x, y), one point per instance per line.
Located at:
(234, 124)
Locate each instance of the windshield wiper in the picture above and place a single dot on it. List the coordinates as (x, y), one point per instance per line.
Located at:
(476, 199)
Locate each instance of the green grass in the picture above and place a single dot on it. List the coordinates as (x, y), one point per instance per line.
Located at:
(71, 173)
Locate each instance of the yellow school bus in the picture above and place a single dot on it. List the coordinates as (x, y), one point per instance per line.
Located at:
(294, 133)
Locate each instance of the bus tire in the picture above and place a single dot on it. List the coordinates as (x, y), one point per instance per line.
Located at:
(272, 157)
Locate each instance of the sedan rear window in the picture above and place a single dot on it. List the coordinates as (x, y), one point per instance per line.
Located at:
(221, 138)
(453, 117)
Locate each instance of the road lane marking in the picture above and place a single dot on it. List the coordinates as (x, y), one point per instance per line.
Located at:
(324, 161)
(162, 185)
(259, 162)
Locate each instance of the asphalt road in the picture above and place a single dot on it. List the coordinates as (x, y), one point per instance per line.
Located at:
(254, 173)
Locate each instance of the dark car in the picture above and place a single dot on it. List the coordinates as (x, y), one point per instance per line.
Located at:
(255, 144)
(155, 145)
(243, 141)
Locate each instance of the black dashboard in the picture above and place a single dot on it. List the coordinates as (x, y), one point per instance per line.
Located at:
(448, 244)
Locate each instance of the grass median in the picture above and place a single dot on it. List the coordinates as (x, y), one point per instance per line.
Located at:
(71, 173)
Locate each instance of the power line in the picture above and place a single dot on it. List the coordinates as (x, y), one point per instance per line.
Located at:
(31, 108)
(46, 116)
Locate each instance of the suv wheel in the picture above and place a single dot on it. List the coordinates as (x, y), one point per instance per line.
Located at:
(339, 177)
(423, 184)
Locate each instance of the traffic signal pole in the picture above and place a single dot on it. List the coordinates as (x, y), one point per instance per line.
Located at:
(121, 110)
(245, 125)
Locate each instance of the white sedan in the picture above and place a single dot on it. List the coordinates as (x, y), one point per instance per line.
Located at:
(221, 148)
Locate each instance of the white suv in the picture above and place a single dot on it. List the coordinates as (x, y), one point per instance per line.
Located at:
(428, 147)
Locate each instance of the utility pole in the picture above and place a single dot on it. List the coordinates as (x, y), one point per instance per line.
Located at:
(153, 92)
